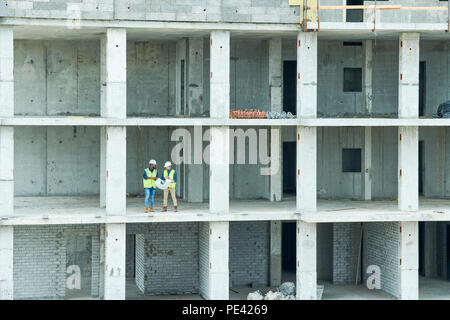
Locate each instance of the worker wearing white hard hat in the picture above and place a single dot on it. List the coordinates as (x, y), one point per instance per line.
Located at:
(149, 177)
(170, 174)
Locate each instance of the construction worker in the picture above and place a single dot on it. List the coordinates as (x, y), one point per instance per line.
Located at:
(170, 174)
(150, 175)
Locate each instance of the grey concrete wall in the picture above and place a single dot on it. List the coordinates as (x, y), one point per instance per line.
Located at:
(380, 248)
(249, 253)
(48, 158)
(42, 254)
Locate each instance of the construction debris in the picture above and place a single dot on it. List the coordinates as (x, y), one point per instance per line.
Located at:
(279, 115)
(255, 296)
(284, 292)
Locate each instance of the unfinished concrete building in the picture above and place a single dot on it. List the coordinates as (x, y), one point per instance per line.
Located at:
(91, 90)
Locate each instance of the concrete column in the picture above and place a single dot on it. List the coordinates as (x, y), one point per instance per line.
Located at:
(430, 254)
(194, 170)
(113, 104)
(409, 260)
(116, 146)
(276, 104)
(218, 275)
(408, 167)
(101, 291)
(114, 273)
(275, 252)
(306, 198)
(307, 75)
(367, 167)
(219, 108)
(6, 263)
(6, 110)
(306, 261)
(408, 84)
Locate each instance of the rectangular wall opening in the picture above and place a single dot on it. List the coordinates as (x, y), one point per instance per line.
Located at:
(290, 86)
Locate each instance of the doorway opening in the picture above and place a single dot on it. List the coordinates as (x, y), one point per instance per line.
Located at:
(290, 86)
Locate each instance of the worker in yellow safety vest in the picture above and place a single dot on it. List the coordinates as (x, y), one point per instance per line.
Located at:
(170, 174)
(149, 177)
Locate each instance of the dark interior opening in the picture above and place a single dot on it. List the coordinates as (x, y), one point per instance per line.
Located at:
(289, 167)
(421, 248)
(354, 15)
(422, 86)
(288, 244)
(290, 86)
(351, 160)
(421, 168)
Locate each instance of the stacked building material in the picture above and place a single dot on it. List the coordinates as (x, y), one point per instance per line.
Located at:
(248, 114)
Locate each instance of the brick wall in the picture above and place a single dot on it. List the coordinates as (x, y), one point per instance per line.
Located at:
(381, 248)
(346, 250)
(167, 258)
(275, 11)
(41, 257)
(249, 253)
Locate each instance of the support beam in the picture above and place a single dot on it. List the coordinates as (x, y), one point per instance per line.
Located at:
(219, 109)
(6, 263)
(275, 253)
(114, 273)
(367, 165)
(409, 260)
(276, 104)
(306, 198)
(6, 110)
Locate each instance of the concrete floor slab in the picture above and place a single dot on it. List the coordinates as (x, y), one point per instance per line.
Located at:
(85, 210)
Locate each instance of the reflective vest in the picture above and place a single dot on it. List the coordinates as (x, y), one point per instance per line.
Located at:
(170, 176)
(150, 183)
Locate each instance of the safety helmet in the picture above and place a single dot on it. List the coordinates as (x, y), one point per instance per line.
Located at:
(152, 162)
(167, 164)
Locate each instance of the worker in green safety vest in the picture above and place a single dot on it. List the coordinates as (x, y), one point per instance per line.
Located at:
(170, 174)
(149, 177)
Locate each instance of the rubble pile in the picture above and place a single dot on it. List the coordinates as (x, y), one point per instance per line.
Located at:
(284, 292)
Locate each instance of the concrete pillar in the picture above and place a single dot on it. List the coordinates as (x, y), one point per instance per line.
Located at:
(114, 273)
(307, 75)
(408, 84)
(6, 161)
(113, 148)
(194, 171)
(219, 108)
(306, 278)
(409, 260)
(431, 252)
(408, 167)
(6, 263)
(408, 107)
(275, 252)
(276, 104)
(367, 165)
(101, 284)
(6, 110)
(218, 251)
(306, 198)
(113, 104)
